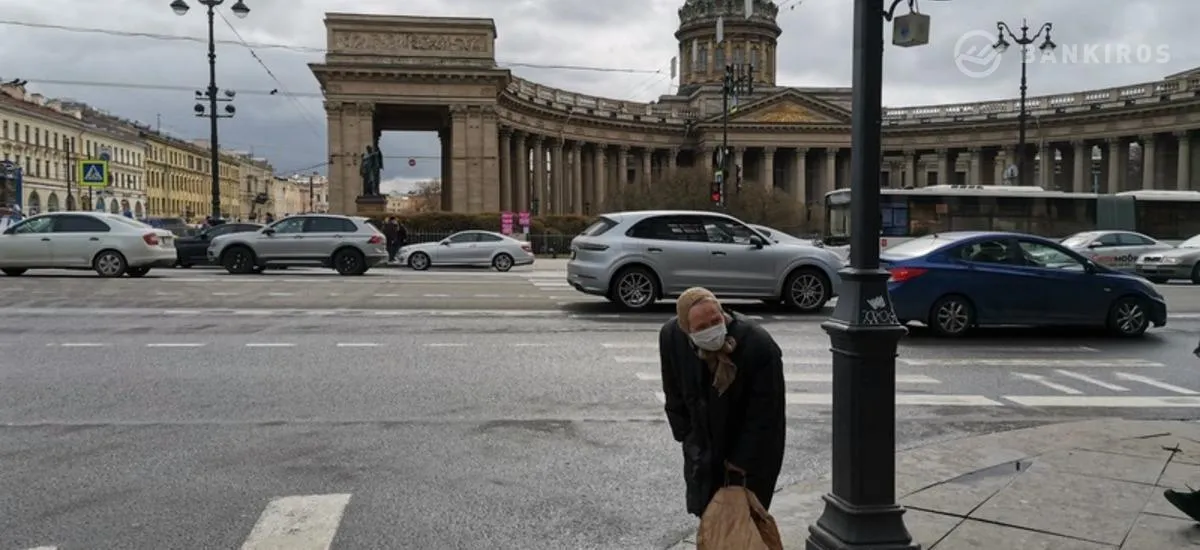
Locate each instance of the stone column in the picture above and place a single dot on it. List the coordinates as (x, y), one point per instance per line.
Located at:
(672, 163)
(341, 150)
(1010, 159)
(622, 168)
(506, 169)
(910, 168)
(739, 159)
(538, 166)
(768, 164)
(447, 169)
(975, 170)
(945, 167)
(830, 180)
(599, 189)
(577, 178)
(1116, 166)
(1046, 161)
(1081, 166)
(558, 187)
(474, 170)
(799, 187)
(647, 166)
(1149, 161)
(1183, 172)
(521, 165)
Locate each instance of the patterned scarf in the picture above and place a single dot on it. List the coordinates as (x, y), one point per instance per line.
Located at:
(719, 364)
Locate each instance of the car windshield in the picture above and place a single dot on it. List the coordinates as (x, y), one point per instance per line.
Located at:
(1077, 240)
(1193, 242)
(919, 246)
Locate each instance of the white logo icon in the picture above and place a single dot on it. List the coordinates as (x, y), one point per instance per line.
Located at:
(974, 55)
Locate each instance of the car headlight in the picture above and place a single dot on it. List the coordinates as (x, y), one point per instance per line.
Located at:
(1170, 260)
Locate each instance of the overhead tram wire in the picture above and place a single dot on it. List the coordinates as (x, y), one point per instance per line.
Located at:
(304, 112)
(290, 47)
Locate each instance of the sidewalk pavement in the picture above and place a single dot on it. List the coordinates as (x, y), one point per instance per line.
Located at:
(1088, 485)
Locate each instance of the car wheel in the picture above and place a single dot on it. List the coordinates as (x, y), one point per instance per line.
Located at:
(14, 271)
(1128, 317)
(419, 261)
(807, 290)
(349, 262)
(502, 262)
(136, 272)
(1196, 274)
(635, 288)
(109, 263)
(952, 316)
(238, 260)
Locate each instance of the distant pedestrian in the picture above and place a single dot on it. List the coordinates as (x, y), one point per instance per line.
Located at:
(722, 377)
(391, 231)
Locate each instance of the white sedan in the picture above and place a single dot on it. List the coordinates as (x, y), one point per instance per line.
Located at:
(477, 248)
(109, 244)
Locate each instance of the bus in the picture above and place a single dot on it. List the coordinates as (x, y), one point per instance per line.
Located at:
(1170, 216)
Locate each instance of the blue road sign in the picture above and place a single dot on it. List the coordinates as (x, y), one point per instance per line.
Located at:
(93, 173)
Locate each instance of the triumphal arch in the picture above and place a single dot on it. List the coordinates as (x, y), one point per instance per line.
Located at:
(512, 144)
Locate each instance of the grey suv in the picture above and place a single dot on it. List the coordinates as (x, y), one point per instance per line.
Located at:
(636, 258)
(350, 245)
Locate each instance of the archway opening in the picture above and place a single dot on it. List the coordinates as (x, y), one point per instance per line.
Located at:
(414, 142)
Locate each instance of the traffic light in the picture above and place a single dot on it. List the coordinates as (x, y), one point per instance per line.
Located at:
(717, 185)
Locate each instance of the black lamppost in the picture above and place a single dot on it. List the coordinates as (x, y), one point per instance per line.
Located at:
(1024, 41)
(861, 510)
(239, 9)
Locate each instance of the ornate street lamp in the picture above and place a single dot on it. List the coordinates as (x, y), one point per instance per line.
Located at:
(211, 94)
(1024, 41)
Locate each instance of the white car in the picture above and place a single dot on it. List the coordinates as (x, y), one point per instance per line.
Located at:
(111, 245)
(1114, 249)
(468, 248)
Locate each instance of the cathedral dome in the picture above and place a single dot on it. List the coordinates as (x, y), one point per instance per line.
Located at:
(747, 40)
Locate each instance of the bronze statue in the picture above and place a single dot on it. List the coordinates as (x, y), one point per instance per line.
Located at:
(370, 169)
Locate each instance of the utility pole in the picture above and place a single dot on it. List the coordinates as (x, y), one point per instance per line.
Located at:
(1024, 41)
(310, 194)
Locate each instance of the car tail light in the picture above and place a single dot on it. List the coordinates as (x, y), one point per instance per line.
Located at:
(902, 274)
(151, 239)
(592, 247)
(527, 247)
(375, 239)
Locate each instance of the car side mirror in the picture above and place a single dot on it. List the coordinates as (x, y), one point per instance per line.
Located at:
(268, 231)
(445, 242)
(757, 242)
(1089, 267)
(1093, 245)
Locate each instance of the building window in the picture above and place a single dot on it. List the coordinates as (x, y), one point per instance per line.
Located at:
(739, 55)
(719, 62)
(701, 56)
(754, 56)
(27, 140)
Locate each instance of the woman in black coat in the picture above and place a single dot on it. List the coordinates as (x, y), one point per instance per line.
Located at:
(722, 377)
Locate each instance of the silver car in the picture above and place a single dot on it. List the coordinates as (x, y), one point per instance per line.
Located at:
(1178, 263)
(349, 245)
(1113, 249)
(478, 248)
(636, 258)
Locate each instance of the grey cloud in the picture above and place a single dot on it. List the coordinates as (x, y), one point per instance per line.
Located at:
(815, 50)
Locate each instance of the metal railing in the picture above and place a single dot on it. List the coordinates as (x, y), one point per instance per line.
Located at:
(544, 244)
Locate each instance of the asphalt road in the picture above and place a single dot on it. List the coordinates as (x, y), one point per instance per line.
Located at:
(149, 431)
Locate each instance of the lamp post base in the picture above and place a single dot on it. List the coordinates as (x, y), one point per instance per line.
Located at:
(844, 526)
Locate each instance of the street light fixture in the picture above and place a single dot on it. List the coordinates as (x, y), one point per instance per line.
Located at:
(1024, 41)
(213, 95)
(861, 510)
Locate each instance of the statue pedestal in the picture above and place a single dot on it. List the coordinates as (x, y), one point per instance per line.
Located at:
(372, 206)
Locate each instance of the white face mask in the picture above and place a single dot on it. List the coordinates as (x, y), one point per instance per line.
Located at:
(709, 339)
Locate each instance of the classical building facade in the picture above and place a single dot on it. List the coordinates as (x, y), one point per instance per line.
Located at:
(177, 180)
(512, 144)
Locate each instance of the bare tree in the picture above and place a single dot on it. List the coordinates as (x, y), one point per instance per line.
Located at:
(427, 195)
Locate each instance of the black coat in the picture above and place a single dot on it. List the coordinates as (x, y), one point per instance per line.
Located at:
(746, 426)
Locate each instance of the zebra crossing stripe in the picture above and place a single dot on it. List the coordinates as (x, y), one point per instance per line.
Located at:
(298, 523)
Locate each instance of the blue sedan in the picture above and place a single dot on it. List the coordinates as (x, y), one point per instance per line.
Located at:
(954, 282)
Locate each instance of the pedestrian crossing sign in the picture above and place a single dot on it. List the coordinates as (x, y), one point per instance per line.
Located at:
(93, 173)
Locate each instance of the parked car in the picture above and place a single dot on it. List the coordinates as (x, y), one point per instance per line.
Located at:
(1114, 249)
(1182, 262)
(468, 248)
(111, 245)
(193, 249)
(347, 244)
(778, 236)
(954, 282)
(175, 225)
(637, 258)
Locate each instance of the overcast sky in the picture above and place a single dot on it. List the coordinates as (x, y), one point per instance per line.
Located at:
(1102, 43)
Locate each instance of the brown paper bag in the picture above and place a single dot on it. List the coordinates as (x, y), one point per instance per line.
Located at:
(736, 520)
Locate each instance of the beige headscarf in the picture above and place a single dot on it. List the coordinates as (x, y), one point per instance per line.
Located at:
(719, 364)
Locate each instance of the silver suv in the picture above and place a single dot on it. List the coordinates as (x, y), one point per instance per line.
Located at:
(636, 258)
(350, 245)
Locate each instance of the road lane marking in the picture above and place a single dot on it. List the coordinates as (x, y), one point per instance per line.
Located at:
(175, 345)
(902, 399)
(387, 295)
(1090, 380)
(530, 345)
(1048, 363)
(446, 345)
(45, 548)
(159, 293)
(654, 360)
(815, 346)
(1039, 379)
(1105, 401)
(224, 294)
(489, 296)
(298, 523)
(814, 378)
(270, 345)
(80, 345)
(281, 294)
(357, 345)
(436, 295)
(1155, 383)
